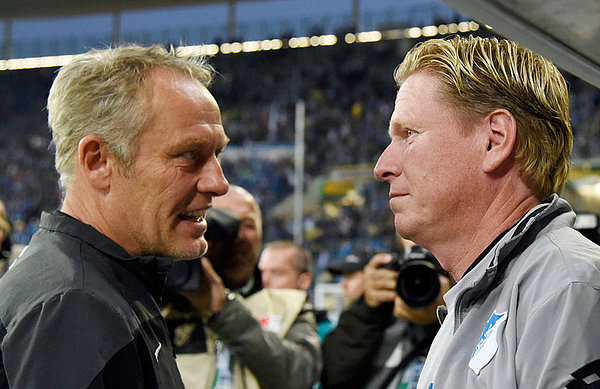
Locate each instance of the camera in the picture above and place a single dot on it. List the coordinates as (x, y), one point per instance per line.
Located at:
(222, 228)
(418, 281)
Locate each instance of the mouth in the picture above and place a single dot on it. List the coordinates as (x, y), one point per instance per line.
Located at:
(393, 195)
(193, 216)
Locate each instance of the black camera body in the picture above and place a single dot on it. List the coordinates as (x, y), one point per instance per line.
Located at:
(222, 226)
(418, 281)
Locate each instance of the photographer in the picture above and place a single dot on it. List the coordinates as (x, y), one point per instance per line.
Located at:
(231, 333)
(380, 341)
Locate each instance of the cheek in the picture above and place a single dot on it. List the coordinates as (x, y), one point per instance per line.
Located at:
(175, 192)
(291, 278)
(254, 238)
(176, 184)
(354, 286)
(438, 171)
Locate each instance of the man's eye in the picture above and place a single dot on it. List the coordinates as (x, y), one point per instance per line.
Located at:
(249, 225)
(189, 155)
(410, 133)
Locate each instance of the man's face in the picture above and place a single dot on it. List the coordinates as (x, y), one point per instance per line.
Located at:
(236, 264)
(433, 164)
(160, 208)
(277, 268)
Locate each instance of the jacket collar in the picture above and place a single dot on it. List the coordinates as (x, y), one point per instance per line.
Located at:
(481, 277)
(152, 270)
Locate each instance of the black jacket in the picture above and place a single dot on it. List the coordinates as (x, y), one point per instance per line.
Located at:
(356, 354)
(78, 312)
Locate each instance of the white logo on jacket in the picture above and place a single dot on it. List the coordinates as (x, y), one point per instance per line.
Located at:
(157, 351)
(488, 344)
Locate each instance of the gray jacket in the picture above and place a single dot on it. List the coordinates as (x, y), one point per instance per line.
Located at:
(272, 335)
(526, 316)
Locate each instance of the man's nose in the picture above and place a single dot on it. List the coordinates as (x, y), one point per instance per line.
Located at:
(386, 165)
(212, 179)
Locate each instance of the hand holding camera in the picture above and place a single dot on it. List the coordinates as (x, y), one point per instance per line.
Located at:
(222, 229)
(380, 280)
(197, 279)
(414, 282)
(211, 295)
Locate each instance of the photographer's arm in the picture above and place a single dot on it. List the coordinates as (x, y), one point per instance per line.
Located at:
(348, 350)
(212, 295)
(293, 362)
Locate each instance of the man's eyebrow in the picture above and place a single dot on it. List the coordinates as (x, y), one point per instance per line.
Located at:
(394, 126)
(191, 143)
(199, 142)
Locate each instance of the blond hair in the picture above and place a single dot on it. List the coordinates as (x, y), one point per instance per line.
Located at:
(479, 75)
(103, 92)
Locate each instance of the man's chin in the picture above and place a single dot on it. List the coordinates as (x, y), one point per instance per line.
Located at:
(197, 250)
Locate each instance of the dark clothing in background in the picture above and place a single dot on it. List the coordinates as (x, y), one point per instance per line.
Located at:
(371, 349)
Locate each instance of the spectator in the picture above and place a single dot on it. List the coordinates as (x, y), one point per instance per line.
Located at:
(352, 271)
(286, 265)
(480, 147)
(231, 332)
(329, 83)
(137, 136)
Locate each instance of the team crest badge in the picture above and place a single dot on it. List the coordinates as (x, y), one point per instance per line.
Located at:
(488, 344)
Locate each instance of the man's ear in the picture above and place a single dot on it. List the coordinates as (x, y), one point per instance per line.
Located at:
(501, 128)
(92, 156)
(304, 280)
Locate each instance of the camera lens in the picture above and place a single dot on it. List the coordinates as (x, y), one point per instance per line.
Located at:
(418, 283)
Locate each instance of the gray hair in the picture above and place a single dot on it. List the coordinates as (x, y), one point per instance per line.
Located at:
(103, 92)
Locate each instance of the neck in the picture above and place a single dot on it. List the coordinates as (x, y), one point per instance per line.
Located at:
(506, 208)
(73, 205)
(88, 209)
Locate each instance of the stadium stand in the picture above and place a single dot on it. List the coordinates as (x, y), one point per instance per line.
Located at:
(349, 94)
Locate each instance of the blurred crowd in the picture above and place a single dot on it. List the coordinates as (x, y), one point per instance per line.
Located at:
(348, 92)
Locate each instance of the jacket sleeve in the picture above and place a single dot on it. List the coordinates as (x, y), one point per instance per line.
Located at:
(349, 349)
(559, 345)
(293, 362)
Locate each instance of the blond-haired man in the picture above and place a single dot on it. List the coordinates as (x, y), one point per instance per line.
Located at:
(137, 135)
(480, 147)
